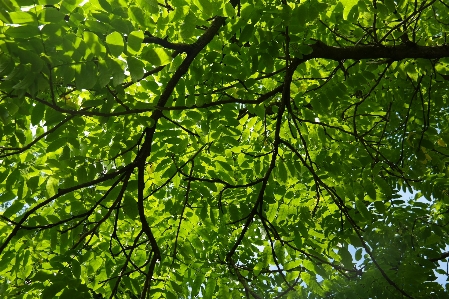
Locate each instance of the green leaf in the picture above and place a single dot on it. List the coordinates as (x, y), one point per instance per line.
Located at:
(257, 268)
(130, 207)
(361, 207)
(14, 208)
(210, 287)
(247, 33)
(51, 15)
(56, 144)
(135, 68)
(135, 39)
(282, 172)
(305, 49)
(390, 5)
(156, 56)
(358, 254)
(115, 43)
(94, 44)
(139, 16)
(199, 278)
(311, 282)
(53, 289)
(188, 27)
(3, 174)
(22, 17)
(348, 4)
(23, 84)
(85, 75)
(228, 10)
(205, 6)
(37, 114)
(52, 186)
(92, 103)
(346, 257)
(24, 31)
(76, 269)
(380, 207)
(149, 5)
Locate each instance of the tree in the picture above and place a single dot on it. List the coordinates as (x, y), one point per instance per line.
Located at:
(182, 149)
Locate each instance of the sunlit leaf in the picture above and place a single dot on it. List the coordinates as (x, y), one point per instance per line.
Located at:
(115, 43)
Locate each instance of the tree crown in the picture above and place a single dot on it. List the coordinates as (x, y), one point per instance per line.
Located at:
(202, 148)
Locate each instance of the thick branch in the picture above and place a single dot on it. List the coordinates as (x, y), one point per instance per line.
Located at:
(321, 50)
(184, 67)
(145, 151)
(439, 258)
(180, 47)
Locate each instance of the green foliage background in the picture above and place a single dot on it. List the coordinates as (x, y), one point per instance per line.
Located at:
(205, 148)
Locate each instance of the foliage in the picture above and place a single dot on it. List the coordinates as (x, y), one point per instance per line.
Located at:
(205, 148)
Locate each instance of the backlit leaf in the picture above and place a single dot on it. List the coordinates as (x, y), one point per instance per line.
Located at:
(115, 43)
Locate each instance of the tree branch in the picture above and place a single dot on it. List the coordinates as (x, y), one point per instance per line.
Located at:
(321, 50)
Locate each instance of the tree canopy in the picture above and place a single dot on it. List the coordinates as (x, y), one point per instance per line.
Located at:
(215, 149)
